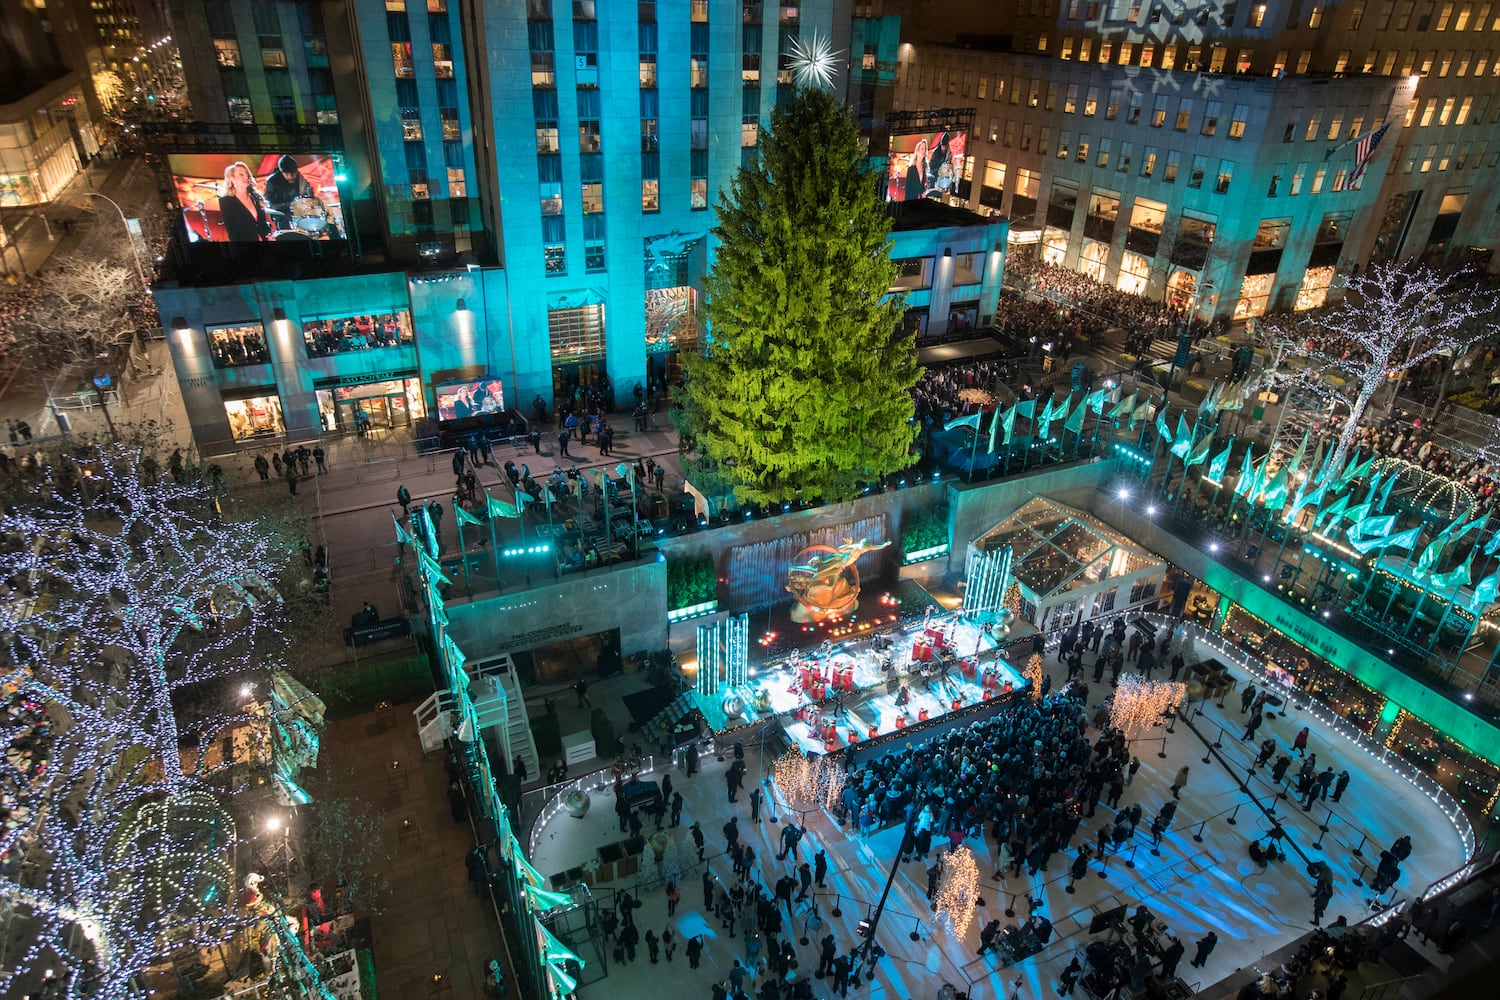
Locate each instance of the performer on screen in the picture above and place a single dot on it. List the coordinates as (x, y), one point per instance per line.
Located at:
(916, 172)
(285, 186)
(242, 207)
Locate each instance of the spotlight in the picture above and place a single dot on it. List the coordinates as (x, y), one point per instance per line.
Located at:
(1267, 578)
(1151, 510)
(1124, 494)
(1213, 546)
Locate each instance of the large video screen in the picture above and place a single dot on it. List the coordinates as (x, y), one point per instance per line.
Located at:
(470, 399)
(257, 197)
(925, 164)
(342, 334)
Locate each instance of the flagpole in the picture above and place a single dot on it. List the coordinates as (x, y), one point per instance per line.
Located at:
(1161, 420)
(463, 548)
(489, 512)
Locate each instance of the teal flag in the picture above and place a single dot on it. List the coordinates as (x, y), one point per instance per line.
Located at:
(1493, 544)
(499, 508)
(1296, 460)
(1124, 407)
(1220, 464)
(1430, 555)
(401, 534)
(1142, 412)
(1370, 527)
(972, 420)
(1276, 491)
(1096, 401)
(1210, 404)
(1486, 590)
(1009, 425)
(1026, 408)
(1356, 470)
(995, 423)
(1458, 576)
(1329, 516)
(1247, 475)
(1404, 540)
(1074, 423)
(1460, 532)
(1199, 455)
(1162, 430)
(433, 567)
(1044, 422)
(463, 516)
(1385, 493)
(1354, 514)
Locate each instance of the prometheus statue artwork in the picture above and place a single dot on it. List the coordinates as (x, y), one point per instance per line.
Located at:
(825, 581)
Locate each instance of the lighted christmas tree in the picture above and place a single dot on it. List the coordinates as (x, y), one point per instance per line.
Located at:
(1394, 317)
(804, 383)
(138, 616)
(1034, 675)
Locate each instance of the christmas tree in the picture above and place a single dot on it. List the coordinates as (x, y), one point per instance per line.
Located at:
(805, 383)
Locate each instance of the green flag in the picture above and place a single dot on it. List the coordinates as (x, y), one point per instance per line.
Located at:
(1354, 514)
(1009, 425)
(1044, 422)
(1329, 516)
(499, 508)
(1275, 496)
(1162, 430)
(994, 432)
(1220, 464)
(1199, 455)
(1458, 576)
(1405, 539)
(1074, 423)
(1210, 404)
(463, 516)
(1182, 441)
(1142, 412)
(1096, 401)
(1296, 461)
(972, 420)
(1385, 492)
(1247, 475)
(1124, 407)
(1026, 408)
(1355, 470)
(1370, 527)
(1430, 555)
(1486, 590)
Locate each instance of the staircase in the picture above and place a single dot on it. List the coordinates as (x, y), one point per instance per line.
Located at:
(499, 709)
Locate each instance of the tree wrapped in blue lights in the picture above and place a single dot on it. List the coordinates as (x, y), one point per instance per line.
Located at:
(134, 605)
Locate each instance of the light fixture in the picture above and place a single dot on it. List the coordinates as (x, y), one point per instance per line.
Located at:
(947, 251)
(180, 324)
(273, 823)
(462, 305)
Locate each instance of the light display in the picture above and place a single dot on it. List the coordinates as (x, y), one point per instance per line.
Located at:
(149, 593)
(958, 891)
(814, 61)
(808, 781)
(1033, 675)
(1139, 704)
(1394, 317)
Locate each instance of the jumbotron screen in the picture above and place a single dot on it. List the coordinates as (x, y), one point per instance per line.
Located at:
(257, 197)
(925, 164)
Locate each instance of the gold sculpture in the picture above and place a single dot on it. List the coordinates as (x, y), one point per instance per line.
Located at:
(824, 579)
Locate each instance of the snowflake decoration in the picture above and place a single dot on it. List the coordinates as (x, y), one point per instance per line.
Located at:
(814, 61)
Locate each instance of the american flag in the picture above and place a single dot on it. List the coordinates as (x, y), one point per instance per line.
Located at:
(1365, 152)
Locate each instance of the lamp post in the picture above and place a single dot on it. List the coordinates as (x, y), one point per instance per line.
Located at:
(129, 237)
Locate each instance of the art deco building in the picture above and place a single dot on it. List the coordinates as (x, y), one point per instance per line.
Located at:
(1207, 152)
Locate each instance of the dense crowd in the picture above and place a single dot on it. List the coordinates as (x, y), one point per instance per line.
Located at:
(944, 393)
(1112, 306)
(16, 302)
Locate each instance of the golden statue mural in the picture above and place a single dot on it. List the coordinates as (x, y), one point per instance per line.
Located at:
(825, 581)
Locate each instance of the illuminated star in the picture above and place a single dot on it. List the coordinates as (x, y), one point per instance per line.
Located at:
(814, 61)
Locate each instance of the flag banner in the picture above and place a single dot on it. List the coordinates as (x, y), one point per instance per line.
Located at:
(463, 516)
(1183, 431)
(1493, 544)
(1486, 590)
(1329, 516)
(972, 420)
(626, 472)
(499, 508)
(1162, 430)
(434, 568)
(1074, 423)
(401, 535)
(1247, 475)
(1199, 455)
(1276, 492)
(1182, 446)
(1096, 401)
(1296, 460)
(456, 656)
(1313, 499)
(1364, 153)
(1369, 527)
(1124, 407)
(1316, 465)
(1405, 540)
(1142, 412)
(1385, 492)
(1210, 404)
(1355, 514)
(1458, 576)
(1220, 463)
(1027, 409)
(1356, 470)
(523, 498)
(1460, 532)
(1430, 556)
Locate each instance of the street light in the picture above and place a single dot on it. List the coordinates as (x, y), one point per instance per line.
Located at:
(140, 271)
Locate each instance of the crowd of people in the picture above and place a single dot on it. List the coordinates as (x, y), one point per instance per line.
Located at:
(356, 333)
(1110, 305)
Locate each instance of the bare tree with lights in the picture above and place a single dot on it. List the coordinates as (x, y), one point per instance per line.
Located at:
(1393, 317)
(137, 606)
(88, 310)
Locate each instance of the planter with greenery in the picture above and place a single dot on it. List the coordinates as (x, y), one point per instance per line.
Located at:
(924, 529)
(690, 582)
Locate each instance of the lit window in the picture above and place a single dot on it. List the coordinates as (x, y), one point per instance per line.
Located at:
(651, 195)
(699, 193)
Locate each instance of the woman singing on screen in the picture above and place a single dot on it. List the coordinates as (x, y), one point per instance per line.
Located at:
(241, 207)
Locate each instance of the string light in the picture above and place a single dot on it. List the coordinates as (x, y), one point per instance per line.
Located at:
(1033, 674)
(958, 891)
(1140, 703)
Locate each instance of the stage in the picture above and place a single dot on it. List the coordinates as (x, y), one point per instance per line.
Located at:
(847, 691)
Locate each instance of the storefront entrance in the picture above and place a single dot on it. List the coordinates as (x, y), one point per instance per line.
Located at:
(381, 405)
(254, 417)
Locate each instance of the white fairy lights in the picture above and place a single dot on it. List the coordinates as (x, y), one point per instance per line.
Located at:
(1140, 704)
(958, 891)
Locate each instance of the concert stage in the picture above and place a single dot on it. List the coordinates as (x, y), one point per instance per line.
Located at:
(848, 691)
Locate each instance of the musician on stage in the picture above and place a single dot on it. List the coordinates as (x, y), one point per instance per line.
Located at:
(285, 186)
(242, 207)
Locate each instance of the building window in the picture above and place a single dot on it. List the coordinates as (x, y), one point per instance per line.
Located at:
(593, 198)
(411, 124)
(227, 51)
(1159, 113)
(1211, 118)
(1148, 161)
(699, 193)
(1237, 123)
(1184, 114)
(1257, 15)
(442, 61)
(576, 334)
(749, 131)
(593, 256)
(273, 56)
(651, 195)
(401, 60)
(1091, 102)
(452, 131)
(1070, 102)
(1169, 172)
(1225, 176)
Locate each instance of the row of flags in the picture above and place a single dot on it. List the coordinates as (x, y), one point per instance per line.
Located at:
(1003, 424)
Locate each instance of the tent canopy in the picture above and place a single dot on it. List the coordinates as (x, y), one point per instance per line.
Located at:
(1059, 548)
